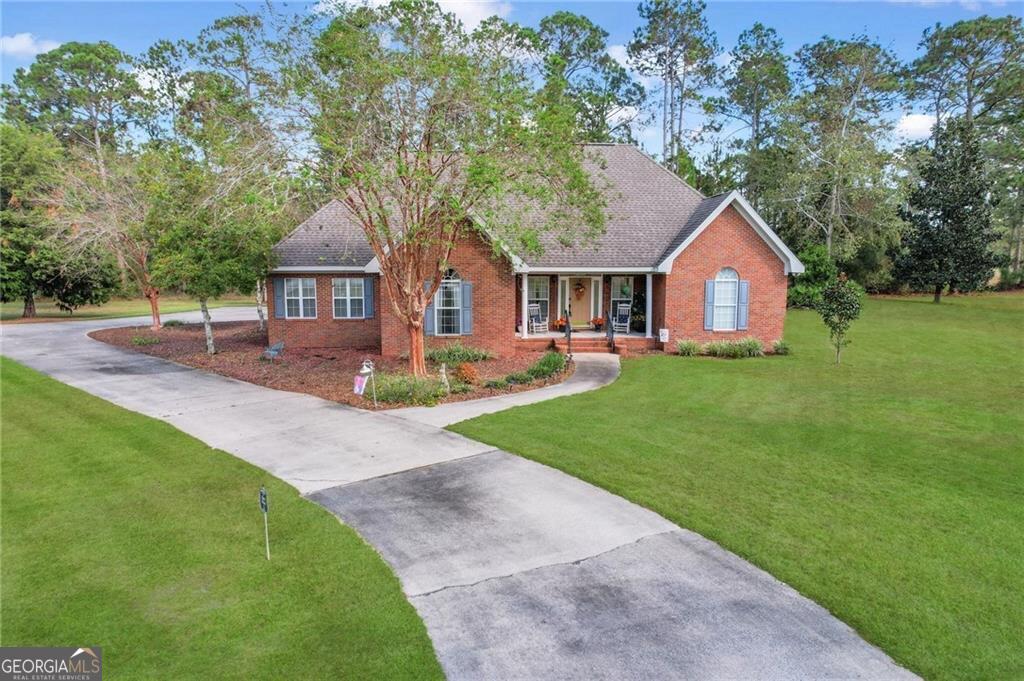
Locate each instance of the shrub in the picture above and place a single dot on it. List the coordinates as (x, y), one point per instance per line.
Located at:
(780, 347)
(548, 365)
(805, 289)
(459, 387)
(688, 348)
(456, 353)
(1009, 279)
(406, 389)
(145, 340)
(751, 347)
(171, 323)
(466, 373)
(496, 383)
(519, 377)
(748, 347)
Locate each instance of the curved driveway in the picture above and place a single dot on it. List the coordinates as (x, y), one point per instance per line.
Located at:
(519, 571)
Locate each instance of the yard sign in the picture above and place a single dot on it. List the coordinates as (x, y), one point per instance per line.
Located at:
(265, 506)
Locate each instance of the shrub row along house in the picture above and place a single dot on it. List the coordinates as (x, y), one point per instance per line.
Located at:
(676, 263)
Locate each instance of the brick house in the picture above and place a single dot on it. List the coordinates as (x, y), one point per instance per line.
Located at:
(682, 265)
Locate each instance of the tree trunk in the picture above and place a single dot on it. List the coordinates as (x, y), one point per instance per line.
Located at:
(938, 294)
(30, 304)
(417, 360)
(839, 350)
(154, 306)
(261, 301)
(207, 327)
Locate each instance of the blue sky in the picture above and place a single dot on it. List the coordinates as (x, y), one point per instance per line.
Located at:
(30, 27)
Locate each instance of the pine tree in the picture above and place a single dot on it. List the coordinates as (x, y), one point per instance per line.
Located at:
(951, 232)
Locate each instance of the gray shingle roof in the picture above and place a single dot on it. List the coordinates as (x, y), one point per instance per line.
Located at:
(328, 238)
(647, 207)
(650, 212)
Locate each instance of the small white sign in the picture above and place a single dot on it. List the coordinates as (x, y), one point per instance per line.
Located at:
(663, 335)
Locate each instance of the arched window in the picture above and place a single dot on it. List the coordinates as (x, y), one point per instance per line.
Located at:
(448, 305)
(727, 284)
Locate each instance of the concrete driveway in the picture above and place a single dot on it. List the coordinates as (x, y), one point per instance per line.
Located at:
(519, 571)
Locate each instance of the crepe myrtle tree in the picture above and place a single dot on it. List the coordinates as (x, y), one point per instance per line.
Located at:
(427, 134)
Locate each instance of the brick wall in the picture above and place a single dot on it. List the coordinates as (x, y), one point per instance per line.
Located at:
(494, 303)
(729, 241)
(324, 331)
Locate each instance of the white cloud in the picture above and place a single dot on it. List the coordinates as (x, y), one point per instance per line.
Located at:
(971, 5)
(470, 12)
(624, 115)
(153, 81)
(915, 126)
(619, 54)
(25, 45)
(473, 12)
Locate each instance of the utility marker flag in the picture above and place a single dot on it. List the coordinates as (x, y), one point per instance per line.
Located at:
(360, 385)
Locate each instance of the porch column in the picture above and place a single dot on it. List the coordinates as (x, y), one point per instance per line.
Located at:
(649, 303)
(522, 312)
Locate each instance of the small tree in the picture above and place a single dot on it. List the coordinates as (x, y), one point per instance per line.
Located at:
(839, 306)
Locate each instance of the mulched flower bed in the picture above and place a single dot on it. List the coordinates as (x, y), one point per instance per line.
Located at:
(323, 372)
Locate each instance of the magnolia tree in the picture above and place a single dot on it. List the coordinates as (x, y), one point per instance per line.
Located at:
(427, 133)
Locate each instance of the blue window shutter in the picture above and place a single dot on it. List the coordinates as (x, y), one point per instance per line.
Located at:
(368, 297)
(709, 304)
(467, 308)
(743, 306)
(279, 311)
(428, 319)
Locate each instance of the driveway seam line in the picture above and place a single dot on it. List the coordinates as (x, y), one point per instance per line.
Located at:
(401, 472)
(578, 561)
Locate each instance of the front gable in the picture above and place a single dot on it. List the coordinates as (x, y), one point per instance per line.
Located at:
(735, 202)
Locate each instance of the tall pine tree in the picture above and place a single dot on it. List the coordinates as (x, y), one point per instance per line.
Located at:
(951, 232)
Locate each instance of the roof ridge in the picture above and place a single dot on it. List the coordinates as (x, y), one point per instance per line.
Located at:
(310, 217)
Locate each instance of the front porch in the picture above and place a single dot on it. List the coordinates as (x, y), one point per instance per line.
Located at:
(584, 300)
(585, 340)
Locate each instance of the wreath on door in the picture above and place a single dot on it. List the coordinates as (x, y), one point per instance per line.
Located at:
(579, 289)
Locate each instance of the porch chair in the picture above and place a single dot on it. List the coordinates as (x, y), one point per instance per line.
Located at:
(620, 323)
(538, 324)
(274, 351)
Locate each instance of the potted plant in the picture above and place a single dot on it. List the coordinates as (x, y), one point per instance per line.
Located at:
(560, 323)
(598, 323)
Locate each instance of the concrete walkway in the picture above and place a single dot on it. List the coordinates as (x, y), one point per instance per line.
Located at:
(593, 370)
(518, 570)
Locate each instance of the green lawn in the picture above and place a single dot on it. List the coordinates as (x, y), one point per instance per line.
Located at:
(889, 489)
(118, 307)
(122, 532)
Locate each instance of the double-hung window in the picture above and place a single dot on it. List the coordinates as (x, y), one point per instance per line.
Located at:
(300, 298)
(448, 305)
(622, 292)
(348, 298)
(727, 284)
(539, 290)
